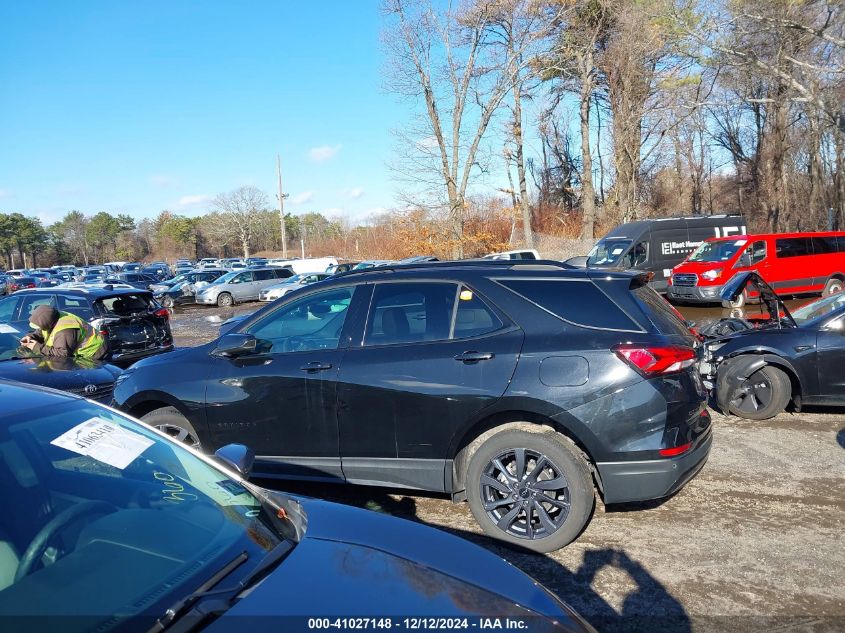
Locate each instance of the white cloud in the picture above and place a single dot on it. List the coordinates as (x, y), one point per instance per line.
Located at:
(323, 152)
(427, 143)
(5, 193)
(163, 181)
(193, 201)
(302, 198)
(354, 193)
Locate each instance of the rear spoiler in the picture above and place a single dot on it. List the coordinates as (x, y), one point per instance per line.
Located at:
(641, 279)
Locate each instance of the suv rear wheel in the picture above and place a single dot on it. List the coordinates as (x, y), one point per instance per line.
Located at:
(530, 489)
(169, 421)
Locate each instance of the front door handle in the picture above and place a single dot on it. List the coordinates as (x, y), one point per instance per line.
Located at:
(474, 357)
(316, 366)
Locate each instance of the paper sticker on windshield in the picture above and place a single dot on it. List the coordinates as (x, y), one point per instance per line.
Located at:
(232, 487)
(617, 251)
(104, 441)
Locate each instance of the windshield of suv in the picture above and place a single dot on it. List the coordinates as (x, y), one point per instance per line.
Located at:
(608, 252)
(134, 522)
(721, 251)
(819, 308)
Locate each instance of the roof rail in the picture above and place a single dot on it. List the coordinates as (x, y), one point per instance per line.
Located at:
(472, 263)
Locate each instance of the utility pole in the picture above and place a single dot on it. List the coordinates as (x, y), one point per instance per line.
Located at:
(282, 197)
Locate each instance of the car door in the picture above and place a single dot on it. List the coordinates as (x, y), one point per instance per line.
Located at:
(830, 361)
(241, 286)
(281, 401)
(263, 279)
(432, 355)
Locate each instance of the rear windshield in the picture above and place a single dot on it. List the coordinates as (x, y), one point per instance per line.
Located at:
(661, 313)
(579, 302)
(124, 305)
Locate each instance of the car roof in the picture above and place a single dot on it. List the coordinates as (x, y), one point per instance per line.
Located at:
(96, 293)
(759, 236)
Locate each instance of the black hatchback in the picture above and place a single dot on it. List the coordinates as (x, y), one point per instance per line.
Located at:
(135, 324)
(522, 387)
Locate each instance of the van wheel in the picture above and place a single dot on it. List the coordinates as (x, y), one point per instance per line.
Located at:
(169, 421)
(740, 301)
(832, 286)
(224, 300)
(530, 489)
(762, 395)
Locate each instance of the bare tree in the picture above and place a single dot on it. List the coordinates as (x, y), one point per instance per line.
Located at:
(240, 214)
(441, 58)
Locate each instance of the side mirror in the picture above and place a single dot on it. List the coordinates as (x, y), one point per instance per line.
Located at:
(235, 345)
(237, 456)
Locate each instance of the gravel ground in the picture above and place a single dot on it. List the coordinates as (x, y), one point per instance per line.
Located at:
(753, 543)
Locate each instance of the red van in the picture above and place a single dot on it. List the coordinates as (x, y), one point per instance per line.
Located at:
(791, 263)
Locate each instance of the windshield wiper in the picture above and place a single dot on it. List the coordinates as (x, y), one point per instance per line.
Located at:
(201, 611)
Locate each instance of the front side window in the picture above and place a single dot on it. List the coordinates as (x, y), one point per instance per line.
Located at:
(312, 322)
(242, 278)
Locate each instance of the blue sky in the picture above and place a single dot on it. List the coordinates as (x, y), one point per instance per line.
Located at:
(135, 107)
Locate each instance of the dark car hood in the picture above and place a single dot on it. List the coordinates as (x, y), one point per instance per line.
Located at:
(736, 284)
(65, 374)
(354, 562)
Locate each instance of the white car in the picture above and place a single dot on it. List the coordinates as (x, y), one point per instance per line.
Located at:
(525, 253)
(292, 283)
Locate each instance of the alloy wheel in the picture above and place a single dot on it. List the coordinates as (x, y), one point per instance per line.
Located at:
(754, 394)
(179, 434)
(525, 494)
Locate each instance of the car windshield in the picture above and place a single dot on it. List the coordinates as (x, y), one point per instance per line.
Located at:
(608, 252)
(720, 251)
(10, 344)
(133, 522)
(819, 308)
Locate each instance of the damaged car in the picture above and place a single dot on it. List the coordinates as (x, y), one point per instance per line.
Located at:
(757, 367)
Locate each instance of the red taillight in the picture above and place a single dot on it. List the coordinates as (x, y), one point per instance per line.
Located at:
(673, 452)
(656, 360)
(163, 312)
(104, 332)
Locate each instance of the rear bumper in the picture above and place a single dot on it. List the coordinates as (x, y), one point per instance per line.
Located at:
(624, 482)
(695, 294)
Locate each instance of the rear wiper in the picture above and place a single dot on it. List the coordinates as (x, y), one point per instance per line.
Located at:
(270, 560)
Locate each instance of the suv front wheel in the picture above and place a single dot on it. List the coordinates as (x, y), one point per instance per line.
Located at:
(531, 489)
(169, 421)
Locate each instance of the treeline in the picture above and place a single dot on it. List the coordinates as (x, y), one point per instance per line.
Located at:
(646, 107)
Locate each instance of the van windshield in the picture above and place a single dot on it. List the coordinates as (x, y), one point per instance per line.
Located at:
(608, 252)
(716, 251)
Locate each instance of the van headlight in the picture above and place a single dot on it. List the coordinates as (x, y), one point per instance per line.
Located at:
(710, 275)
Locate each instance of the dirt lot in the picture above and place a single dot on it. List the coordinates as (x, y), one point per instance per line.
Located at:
(755, 542)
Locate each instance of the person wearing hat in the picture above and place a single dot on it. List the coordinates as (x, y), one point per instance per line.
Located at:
(63, 335)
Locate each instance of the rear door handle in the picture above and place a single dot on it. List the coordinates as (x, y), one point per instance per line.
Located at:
(316, 366)
(474, 357)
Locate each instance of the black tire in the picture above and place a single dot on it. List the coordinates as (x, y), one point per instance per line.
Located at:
(763, 395)
(740, 301)
(833, 286)
(514, 503)
(225, 300)
(167, 302)
(169, 421)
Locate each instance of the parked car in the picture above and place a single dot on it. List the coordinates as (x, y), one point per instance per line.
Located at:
(309, 264)
(134, 267)
(17, 272)
(758, 368)
(345, 267)
(373, 263)
(159, 271)
(659, 244)
(237, 287)
(86, 378)
(136, 280)
(20, 283)
(791, 263)
(144, 533)
(508, 384)
(290, 284)
(525, 253)
(254, 262)
(4, 284)
(177, 294)
(192, 276)
(136, 326)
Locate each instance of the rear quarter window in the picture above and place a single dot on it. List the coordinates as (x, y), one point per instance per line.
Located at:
(575, 301)
(661, 313)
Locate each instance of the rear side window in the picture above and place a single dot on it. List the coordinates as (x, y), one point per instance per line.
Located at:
(30, 303)
(283, 273)
(579, 302)
(410, 313)
(74, 305)
(473, 317)
(661, 313)
(793, 247)
(264, 275)
(825, 245)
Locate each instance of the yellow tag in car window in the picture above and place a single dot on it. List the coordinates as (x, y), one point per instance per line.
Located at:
(466, 295)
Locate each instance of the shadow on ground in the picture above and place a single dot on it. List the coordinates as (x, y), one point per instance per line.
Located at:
(648, 606)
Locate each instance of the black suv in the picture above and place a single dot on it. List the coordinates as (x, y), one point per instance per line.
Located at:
(135, 324)
(521, 387)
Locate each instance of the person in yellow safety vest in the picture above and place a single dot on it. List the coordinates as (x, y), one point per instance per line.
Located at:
(63, 335)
